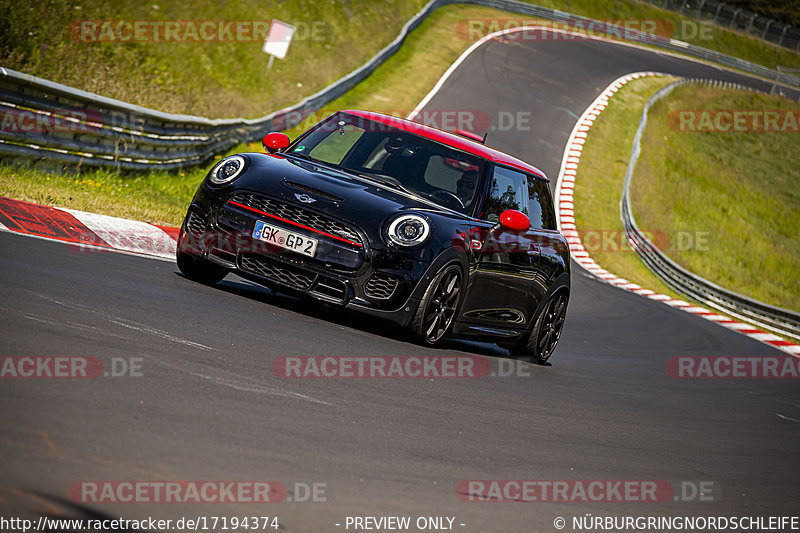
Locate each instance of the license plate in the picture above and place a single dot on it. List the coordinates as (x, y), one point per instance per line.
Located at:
(285, 239)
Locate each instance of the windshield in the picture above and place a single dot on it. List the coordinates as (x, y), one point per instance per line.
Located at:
(397, 158)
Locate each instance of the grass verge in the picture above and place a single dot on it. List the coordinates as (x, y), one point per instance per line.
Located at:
(705, 194)
(727, 200)
(82, 44)
(601, 175)
(154, 197)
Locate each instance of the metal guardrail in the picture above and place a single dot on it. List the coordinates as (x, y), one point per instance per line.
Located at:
(67, 127)
(733, 17)
(782, 72)
(773, 318)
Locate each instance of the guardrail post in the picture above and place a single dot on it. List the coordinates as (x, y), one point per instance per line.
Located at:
(750, 24)
(700, 9)
(785, 29)
(733, 18)
(719, 8)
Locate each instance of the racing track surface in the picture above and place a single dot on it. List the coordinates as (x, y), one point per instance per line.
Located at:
(208, 408)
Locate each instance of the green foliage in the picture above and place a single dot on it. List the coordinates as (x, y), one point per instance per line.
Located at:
(786, 11)
(223, 78)
(725, 205)
(737, 191)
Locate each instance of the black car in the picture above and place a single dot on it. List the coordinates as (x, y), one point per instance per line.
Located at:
(431, 230)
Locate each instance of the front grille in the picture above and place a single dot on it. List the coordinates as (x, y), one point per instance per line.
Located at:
(195, 224)
(380, 287)
(317, 285)
(299, 215)
(279, 272)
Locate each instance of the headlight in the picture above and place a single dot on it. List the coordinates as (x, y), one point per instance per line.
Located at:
(227, 170)
(409, 230)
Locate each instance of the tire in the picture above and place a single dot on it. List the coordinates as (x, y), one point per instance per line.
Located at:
(438, 307)
(546, 332)
(195, 268)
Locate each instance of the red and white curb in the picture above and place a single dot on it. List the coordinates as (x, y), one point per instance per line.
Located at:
(88, 231)
(565, 187)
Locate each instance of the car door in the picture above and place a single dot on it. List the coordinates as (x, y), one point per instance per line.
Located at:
(506, 281)
(552, 259)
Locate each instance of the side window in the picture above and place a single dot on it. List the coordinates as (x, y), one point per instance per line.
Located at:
(508, 189)
(542, 212)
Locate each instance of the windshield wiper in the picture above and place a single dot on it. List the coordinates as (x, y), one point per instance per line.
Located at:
(301, 156)
(385, 181)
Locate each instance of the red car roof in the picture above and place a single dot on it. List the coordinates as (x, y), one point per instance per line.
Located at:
(450, 139)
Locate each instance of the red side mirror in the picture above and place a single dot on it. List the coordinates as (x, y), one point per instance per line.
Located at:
(275, 142)
(514, 220)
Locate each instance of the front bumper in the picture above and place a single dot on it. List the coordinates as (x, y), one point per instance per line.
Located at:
(345, 271)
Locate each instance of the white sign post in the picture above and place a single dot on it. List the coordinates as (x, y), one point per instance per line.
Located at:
(278, 39)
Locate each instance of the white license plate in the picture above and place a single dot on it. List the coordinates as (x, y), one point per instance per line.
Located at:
(285, 239)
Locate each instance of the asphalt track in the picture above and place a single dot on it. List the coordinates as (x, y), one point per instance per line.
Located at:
(207, 406)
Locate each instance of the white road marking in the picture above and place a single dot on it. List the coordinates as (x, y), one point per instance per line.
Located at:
(238, 382)
(156, 332)
(125, 323)
(93, 330)
(231, 380)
